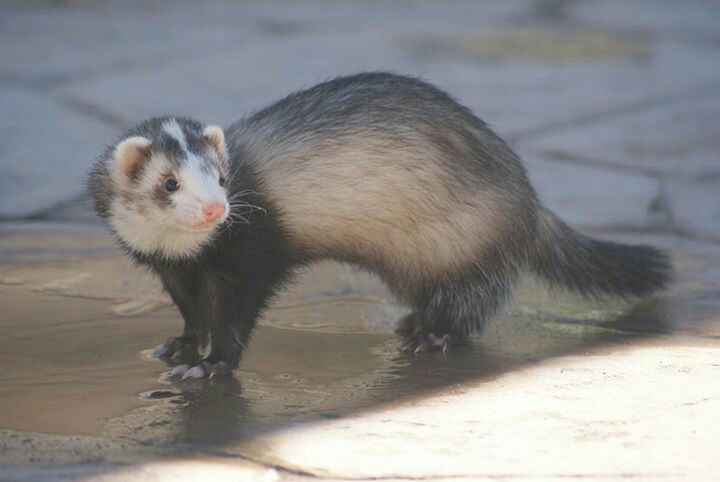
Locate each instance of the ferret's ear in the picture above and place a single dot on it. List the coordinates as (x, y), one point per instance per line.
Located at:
(216, 137)
(130, 156)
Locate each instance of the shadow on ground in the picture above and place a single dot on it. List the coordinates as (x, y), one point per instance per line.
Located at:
(76, 365)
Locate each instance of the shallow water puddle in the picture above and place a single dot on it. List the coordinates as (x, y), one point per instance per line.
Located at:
(73, 363)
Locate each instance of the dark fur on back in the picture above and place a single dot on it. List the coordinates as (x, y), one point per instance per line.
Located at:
(389, 173)
(400, 110)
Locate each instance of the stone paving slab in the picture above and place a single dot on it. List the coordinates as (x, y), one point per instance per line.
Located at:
(676, 140)
(146, 64)
(678, 145)
(647, 412)
(695, 206)
(517, 96)
(247, 80)
(134, 35)
(528, 68)
(188, 470)
(65, 44)
(555, 388)
(592, 196)
(696, 21)
(45, 150)
(613, 104)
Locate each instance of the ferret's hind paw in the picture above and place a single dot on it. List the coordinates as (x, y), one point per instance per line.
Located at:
(417, 344)
(178, 348)
(204, 369)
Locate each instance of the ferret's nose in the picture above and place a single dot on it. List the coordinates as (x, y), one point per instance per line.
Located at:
(213, 211)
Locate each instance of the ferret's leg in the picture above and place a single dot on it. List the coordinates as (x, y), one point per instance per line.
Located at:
(183, 287)
(233, 306)
(451, 310)
(419, 335)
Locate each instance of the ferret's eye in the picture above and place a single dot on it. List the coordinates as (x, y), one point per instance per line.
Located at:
(171, 184)
(222, 181)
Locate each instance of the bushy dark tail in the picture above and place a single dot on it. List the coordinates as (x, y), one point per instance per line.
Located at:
(596, 268)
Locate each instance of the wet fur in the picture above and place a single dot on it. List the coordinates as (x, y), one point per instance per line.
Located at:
(389, 173)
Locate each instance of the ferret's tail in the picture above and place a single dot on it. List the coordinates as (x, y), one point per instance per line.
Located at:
(596, 268)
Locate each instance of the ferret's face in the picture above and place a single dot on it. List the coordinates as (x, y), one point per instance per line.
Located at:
(170, 188)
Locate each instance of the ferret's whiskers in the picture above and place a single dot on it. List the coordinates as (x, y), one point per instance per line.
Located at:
(234, 215)
(240, 194)
(239, 217)
(240, 204)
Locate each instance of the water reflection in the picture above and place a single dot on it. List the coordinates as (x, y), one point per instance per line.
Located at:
(291, 377)
(71, 364)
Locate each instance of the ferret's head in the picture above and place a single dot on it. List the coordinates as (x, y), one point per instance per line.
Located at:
(162, 187)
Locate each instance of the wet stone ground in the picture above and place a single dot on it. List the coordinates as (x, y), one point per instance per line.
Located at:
(613, 106)
(325, 390)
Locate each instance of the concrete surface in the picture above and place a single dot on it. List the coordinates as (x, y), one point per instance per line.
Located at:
(614, 107)
(555, 388)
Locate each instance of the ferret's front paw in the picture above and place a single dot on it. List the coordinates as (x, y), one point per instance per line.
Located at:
(426, 342)
(179, 348)
(204, 369)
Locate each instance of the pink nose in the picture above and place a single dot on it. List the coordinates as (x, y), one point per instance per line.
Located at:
(213, 212)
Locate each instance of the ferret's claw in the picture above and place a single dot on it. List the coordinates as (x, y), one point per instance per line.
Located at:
(442, 342)
(176, 349)
(203, 369)
(198, 371)
(426, 343)
(161, 351)
(220, 369)
(179, 371)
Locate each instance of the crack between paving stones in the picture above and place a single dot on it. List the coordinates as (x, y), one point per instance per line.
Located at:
(565, 157)
(668, 98)
(671, 230)
(51, 82)
(93, 111)
(54, 211)
(622, 475)
(48, 83)
(472, 476)
(506, 477)
(660, 175)
(267, 465)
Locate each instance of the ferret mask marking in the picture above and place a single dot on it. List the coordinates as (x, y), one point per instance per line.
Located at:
(146, 216)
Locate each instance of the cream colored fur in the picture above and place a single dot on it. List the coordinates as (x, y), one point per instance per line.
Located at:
(396, 210)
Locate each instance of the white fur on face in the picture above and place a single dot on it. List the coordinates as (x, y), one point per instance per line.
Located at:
(173, 230)
(153, 233)
(173, 129)
(197, 189)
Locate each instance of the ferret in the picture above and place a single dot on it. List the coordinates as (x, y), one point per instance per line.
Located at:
(383, 171)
